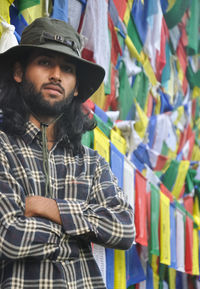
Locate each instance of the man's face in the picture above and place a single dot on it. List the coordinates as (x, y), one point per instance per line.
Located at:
(48, 82)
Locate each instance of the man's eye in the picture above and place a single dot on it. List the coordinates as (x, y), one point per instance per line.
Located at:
(67, 68)
(44, 62)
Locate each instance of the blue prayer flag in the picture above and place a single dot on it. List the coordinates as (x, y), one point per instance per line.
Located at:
(117, 164)
(101, 114)
(173, 236)
(134, 269)
(60, 10)
(109, 268)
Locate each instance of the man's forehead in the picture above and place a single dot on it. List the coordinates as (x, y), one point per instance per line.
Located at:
(51, 54)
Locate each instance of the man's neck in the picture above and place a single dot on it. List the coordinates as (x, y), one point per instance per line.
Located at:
(49, 130)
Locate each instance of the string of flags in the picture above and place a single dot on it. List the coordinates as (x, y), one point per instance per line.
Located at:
(148, 125)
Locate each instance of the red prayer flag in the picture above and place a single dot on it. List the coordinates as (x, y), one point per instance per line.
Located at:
(188, 244)
(121, 7)
(188, 204)
(140, 209)
(161, 57)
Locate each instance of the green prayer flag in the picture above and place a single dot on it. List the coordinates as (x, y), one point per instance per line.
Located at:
(174, 15)
(155, 208)
(189, 187)
(24, 4)
(141, 88)
(125, 93)
(170, 175)
(104, 127)
(133, 34)
(192, 77)
(192, 28)
(88, 139)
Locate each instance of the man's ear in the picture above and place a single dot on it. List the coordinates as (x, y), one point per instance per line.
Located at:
(76, 89)
(17, 72)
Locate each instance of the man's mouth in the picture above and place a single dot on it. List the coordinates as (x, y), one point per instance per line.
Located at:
(53, 89)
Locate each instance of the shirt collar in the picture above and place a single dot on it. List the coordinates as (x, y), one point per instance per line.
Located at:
(32, 131)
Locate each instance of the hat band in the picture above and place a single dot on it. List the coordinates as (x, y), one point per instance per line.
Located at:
(46, 36)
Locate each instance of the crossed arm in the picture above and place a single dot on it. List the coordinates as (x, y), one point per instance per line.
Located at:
(37, 224)
(38, 206)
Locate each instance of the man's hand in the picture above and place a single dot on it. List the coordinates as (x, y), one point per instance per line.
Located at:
(37, 206)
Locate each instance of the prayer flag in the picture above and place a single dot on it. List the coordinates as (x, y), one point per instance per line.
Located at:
(24, 4)
(195, 253)
(134, 269)
(109, 268)
(170, 175)
(140, 209)
(60, 10)
(121, 7)
(172, 278)
(95, 29)
(4, 11)
(139, 15)
(117, 164)
(165, 256)
(149, 282)
(155, 208)
(173, 236)
(174, 15)
(119, 270)
(118, 140)
(180, 239)
(141, 121)
(100, 257)
(129, 182)
(188, 244)
(102, 144)
(180, 179)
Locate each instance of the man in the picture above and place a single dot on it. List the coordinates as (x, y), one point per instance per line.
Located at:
(56, 196)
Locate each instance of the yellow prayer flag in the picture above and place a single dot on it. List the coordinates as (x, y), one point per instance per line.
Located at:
(102, 144)
(195, 253)
(180, 72)
(182, 171)
(99, 97)
(141, 124)
(172, 278)
(127, 13)
(171, 83)
(155, 281)
(165, 255)
(132, 49)
(170, 4)
(118, 141)
(154, 263)
(196, 92)
(36, 11)
(180, 113)
(195, 153)
(148, 68)
(119, 270)
(158, 105)
(4, 12)
(196, 212)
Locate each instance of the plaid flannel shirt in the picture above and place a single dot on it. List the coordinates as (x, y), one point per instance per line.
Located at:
(38, 253)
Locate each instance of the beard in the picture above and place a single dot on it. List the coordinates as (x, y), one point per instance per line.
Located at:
(36, 103)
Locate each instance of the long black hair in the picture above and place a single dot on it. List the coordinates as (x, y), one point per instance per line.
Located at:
(70, 127)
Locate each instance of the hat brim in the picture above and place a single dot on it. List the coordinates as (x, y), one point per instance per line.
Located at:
(89, 75)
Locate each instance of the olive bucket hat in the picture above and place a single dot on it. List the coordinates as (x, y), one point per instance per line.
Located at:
(56, 35)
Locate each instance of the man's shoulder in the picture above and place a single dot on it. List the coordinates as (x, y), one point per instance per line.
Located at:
(90, 152)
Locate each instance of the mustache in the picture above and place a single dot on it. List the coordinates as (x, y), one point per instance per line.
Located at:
(55, 84)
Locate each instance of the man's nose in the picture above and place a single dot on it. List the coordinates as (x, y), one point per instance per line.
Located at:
(55, 73)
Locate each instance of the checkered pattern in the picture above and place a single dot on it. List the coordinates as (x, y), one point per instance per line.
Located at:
(37, 253)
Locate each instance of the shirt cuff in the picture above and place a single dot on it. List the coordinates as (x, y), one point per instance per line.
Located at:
(72, 216)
